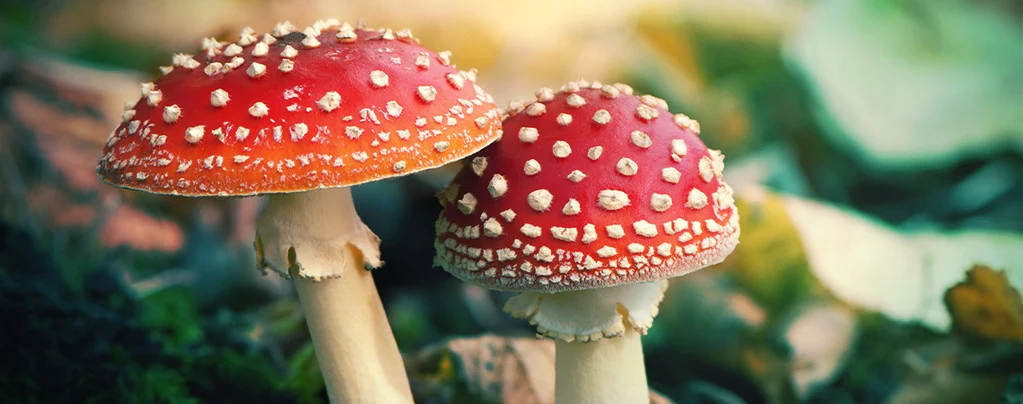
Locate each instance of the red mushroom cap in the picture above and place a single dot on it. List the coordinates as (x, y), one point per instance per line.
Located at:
(591, 187)
(328, 106)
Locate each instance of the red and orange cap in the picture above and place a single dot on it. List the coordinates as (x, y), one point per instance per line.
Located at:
(327, 106)
(591, 187)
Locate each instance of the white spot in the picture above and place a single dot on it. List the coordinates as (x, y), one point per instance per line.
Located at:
(353, 132)
(589, 234)
(492, 228)
(678, 149)
(671, 175)
(602, 116)
(282, 29)
(426, 93)
(441, 146)
(686, 122)
(508, 215)
(256, 69)
(330, 101)
(646, 112)
(379, 79)
(540, 200)
(498, 186)
(641, 139)
(594, 152)
(213, 69)
(536, 109)
(247, 37)
(154, 97)
(664, 249)
(289, 52)
(660, 202)
(544, 94)
(528, 134)
(645, 228)
(194, 134)
(606, 251)
(706, 169)
(259, 110)
(241, 133)
(298, 131)
(171, 113)
(531, 230)
(261, 49)
(562, 149)
(636, 248)
(626, 166)
(565, 233)
(481, 121)
(219, 97)
(532, 167)
(238, 159)
(615, 231)
(564, 119)
(393, 109)
(467, 204)
(310, 40)
(576, 176)
(423, 60)
(399, 166)
(479, 165)
(612, 199)
(286, 65)
(572, 207)
(346, 34)
(457, 80)
(576, 101)
(505, 254)
(718, 161)
(185, 60)
(697, 199)
(609, 91)
(445, 57)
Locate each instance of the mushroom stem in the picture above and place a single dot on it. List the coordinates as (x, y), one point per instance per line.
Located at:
(609, 370)
(317, 237)
(354, 344)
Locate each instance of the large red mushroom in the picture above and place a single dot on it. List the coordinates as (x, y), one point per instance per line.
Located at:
(591, 200)
(301, 115)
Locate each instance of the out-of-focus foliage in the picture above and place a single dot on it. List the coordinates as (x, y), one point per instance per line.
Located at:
(913, 83)
(488, 369)
(770, 265)
(101, 344)
(986, 306)
(887, 135)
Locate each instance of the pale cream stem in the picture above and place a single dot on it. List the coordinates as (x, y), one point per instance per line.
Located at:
(317, 237)
(609, 370)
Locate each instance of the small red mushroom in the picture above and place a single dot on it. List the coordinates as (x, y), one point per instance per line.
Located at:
(591, 200)
(302, 116)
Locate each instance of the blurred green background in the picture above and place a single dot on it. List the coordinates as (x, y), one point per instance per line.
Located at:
(876, 149)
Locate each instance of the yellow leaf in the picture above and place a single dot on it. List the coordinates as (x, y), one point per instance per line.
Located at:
(770, 263)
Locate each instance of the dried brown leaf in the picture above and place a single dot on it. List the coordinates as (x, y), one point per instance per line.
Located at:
(986, 307)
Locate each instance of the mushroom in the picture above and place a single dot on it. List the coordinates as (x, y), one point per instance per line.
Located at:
(594, 198)
(301, 116)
